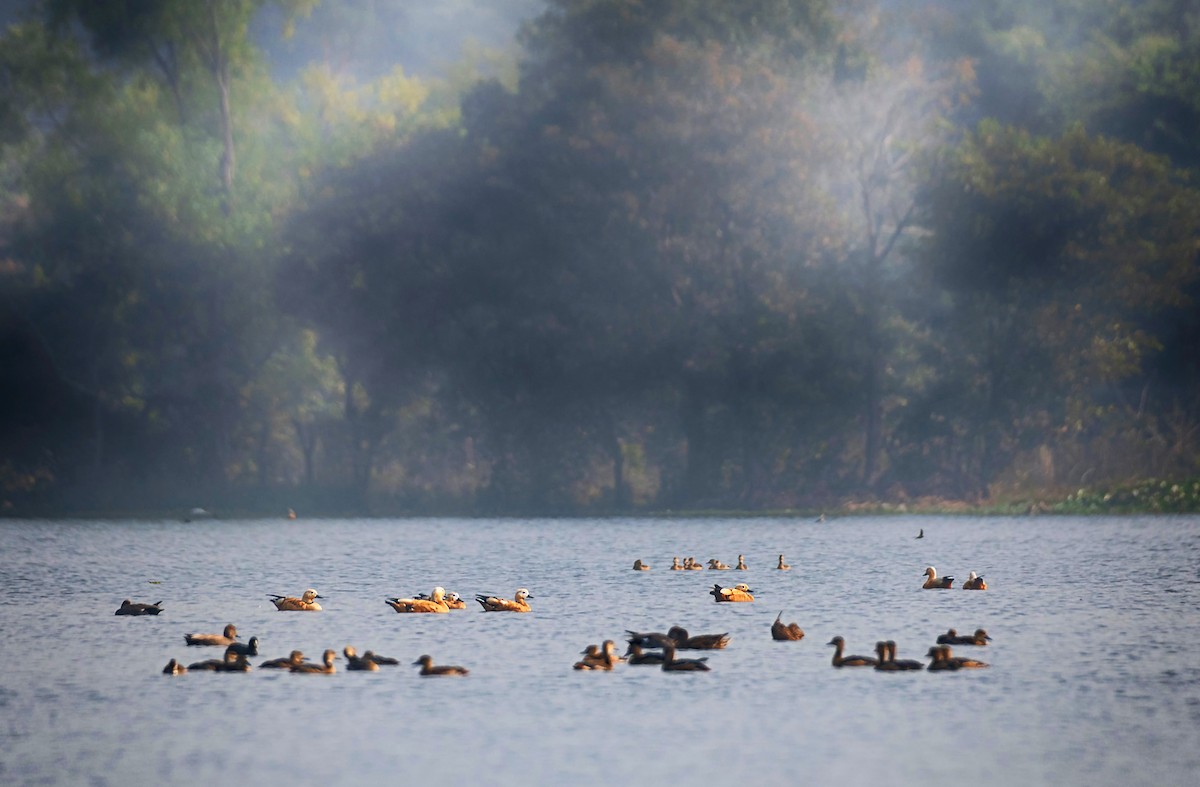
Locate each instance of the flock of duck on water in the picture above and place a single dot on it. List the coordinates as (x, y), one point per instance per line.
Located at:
(647, 648)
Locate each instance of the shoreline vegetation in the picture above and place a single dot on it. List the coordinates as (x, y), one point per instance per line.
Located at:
(1149, 496)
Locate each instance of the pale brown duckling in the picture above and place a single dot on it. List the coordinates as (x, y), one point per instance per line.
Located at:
(691, 565)
(599, 658)
(383, 661)
(672, 664)
(782, 566)
(741, 564)
(635, 655)
(738, 593)
(306, 603)
(974, 582)
(849, 661)
(294, 659)
(219, 640)
(129, 608)
(901, 664)
(174, 668)
(518, 603)
(717, 565)
(934, 582)
(676, 565)
(326, 666)
(427, 668)
(784, 633)
(638, 565)
(435, 603)
(682, 641)
(354, 662)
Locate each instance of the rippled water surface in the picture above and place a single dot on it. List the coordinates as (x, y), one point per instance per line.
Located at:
(1094, 678)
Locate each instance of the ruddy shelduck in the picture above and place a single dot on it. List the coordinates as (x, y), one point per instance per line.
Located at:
(306, 603)
(435, 603)
(934, 582)
(974, 582)
(739, 592)
(518, 603)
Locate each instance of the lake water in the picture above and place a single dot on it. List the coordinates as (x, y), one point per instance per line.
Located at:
(1094, 679)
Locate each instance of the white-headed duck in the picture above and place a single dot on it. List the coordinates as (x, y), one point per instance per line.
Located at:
(672, 664)
(781, 565)
(357, 663)
(325, 668)
(174, 668)
(741, 564)
(306, 603)
(435, 603)
(848, 661)
(784, 633)
(901, 664)
(739, 592)
(638, 565)
(682, 641)
(427, 668)
(518, 603)
(218, 640)
(974, 582)
(294, 659)
(934, 582)
(129, 608)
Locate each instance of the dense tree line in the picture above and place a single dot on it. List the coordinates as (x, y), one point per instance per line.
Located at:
(673, 255)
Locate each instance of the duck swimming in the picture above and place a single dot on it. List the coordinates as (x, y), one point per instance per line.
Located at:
(717, 565)
(129, 608)
(691, 565)
(672, 664)
(784, 633)
(635, 655)
(849, 661)
(652, 639)
(741, 566)
(435, 603)
(295, 659)
(306, 602)
(638, 565)
(934, 582)
(354, 662)
(782, 566)
(231, 662)
(174, 668)
(427, 668)
(220, 640)
(739, 592)
(902, 664)
(249, 648)
(963, 663)
(325, 668)
(951, 637)
(679, 639)
(599, 658)
(496, 604)
(676, 565)
(974, 582)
